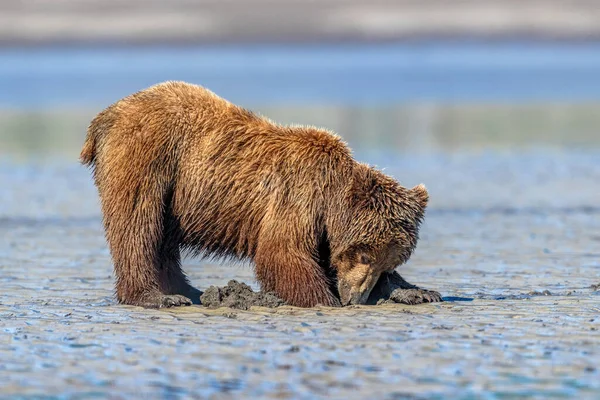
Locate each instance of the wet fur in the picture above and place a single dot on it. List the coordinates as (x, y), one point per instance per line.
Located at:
(179, 168)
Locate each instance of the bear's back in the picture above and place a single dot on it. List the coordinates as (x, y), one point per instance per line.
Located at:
(176, 108)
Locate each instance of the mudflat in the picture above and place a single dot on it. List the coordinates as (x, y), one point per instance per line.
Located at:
(510, 240)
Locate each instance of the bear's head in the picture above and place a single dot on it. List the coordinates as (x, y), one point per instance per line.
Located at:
(379, 231)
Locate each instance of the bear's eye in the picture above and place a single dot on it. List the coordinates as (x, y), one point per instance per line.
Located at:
(364, 259)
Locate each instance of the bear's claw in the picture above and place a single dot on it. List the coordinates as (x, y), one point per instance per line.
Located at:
(415, 296)
(164, 301)
(175, 300)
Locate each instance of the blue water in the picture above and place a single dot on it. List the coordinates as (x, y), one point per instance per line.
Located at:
(348, 74)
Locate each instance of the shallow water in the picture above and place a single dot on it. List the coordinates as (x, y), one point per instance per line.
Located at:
(500, 227)
(450, 71)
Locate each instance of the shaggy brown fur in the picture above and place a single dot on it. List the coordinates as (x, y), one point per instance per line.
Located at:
(179, 168)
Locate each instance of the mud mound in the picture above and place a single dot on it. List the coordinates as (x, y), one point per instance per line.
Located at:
(391, 288)
(238, 295)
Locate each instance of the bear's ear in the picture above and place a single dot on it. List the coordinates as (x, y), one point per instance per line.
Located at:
(365, 187)
(420, 193)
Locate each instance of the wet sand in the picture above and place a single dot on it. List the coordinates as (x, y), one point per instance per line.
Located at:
(511, 242)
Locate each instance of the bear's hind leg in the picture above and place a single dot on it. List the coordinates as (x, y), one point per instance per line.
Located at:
(172, 278)
(133, 211)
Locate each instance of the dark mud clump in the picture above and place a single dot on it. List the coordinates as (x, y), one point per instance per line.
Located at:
(238, 295)
(391, 288)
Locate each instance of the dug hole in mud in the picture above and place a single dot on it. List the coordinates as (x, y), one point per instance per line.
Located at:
(391, 288)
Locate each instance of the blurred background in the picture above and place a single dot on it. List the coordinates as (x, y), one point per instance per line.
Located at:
(389, 76)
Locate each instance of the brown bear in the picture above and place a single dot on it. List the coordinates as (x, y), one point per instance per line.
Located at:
(179, 168)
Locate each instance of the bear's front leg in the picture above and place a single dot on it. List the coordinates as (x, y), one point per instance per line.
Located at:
(391, 287)
(295, 278)
(284, 265)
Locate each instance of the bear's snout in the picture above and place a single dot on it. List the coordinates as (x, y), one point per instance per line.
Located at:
(354, 286)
